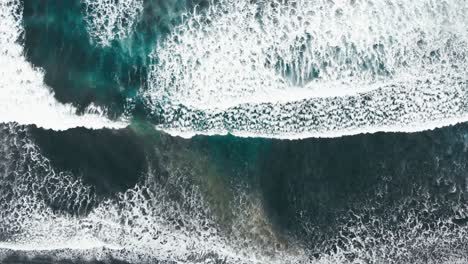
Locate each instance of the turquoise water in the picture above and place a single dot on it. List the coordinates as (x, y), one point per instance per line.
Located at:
(313, 132)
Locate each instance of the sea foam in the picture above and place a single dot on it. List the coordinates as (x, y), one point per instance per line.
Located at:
(293, 69)
(24, 98)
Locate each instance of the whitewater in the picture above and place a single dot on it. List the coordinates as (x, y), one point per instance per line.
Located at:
(314, 68)
(272, 69)
(24, 98)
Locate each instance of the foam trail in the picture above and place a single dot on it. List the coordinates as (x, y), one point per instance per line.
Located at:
(313, 68)
(109, 20)
(24, 98)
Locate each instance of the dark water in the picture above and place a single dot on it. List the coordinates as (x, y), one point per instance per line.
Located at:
(320, 176)
(321, 182)
(369, 198)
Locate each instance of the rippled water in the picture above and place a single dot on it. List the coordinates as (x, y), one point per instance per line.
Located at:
(143, 131)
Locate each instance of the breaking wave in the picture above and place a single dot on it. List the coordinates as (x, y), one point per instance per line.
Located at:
(293, 69)
(267, 68)
(46, 211)
(276, 69)
(144, 223)
(24, 97)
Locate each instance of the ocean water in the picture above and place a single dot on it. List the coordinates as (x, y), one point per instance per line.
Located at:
(221, 131)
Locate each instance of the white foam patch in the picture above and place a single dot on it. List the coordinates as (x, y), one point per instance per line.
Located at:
(302, 68)
(109, 20)
(24, 98)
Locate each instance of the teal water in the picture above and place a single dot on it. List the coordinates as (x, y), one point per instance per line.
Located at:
(81, 71)
(291, 169)
(316, 192)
